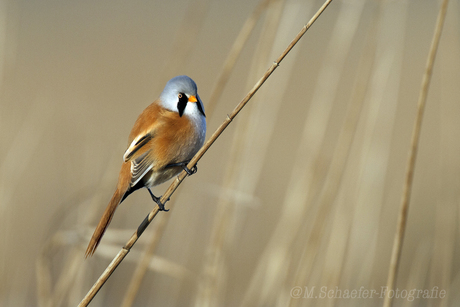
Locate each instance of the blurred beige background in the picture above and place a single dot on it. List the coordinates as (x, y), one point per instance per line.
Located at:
(303, 188)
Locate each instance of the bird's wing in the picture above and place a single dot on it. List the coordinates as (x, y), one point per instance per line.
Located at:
(140, 166)
(139, 153)
(137, 144)
(140, 141)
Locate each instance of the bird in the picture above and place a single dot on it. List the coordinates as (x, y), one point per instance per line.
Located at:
(165, 137)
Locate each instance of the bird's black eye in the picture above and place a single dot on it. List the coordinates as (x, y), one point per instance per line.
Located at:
(181, 103)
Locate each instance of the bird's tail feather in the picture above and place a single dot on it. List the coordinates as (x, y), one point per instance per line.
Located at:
(104, 222)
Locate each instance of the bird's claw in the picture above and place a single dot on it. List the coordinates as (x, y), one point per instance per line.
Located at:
(158, 201)
(190, 172)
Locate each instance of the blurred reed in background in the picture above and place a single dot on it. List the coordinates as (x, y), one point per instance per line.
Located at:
(301, 191)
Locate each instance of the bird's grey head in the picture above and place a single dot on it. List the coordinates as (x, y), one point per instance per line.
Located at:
(181, 95)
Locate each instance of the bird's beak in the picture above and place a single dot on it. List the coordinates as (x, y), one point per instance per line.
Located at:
(192, 99)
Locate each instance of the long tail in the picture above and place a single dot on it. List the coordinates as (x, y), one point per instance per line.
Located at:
(117, 198)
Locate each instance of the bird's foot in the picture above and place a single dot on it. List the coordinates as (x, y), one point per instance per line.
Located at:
(158, 201)
(184, 164)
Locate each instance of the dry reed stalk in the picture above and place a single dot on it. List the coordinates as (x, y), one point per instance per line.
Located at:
(443, 250)
(446, 226)
(44, 282)
(241, 168)
(233, 55)
(228, 66)
(174, 185)
(333, 182)
(382, 101)
(15, 164)
(368, 193)
(82, 205)
(443, 262)
(47, 294)
(404, 206)
(342, 223)
(185, 39)
(182, 46)
(68, 280)
(157, 264)
(269, 276)
(258, 128)
(143, 264)
(418, 270)
(265, 42)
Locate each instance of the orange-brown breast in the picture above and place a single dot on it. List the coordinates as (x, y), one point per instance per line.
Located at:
(174, 137)
(175, 141)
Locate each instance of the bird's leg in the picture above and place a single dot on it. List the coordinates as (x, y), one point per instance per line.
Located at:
(184, 164)
(158, 201)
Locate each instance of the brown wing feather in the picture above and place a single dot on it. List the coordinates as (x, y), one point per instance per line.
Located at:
(162, 138)
(144, 126)
(146, 122)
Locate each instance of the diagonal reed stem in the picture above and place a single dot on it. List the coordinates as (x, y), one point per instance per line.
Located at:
(175, 184)
(404, 206)
(229, 64)
(233, 55)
